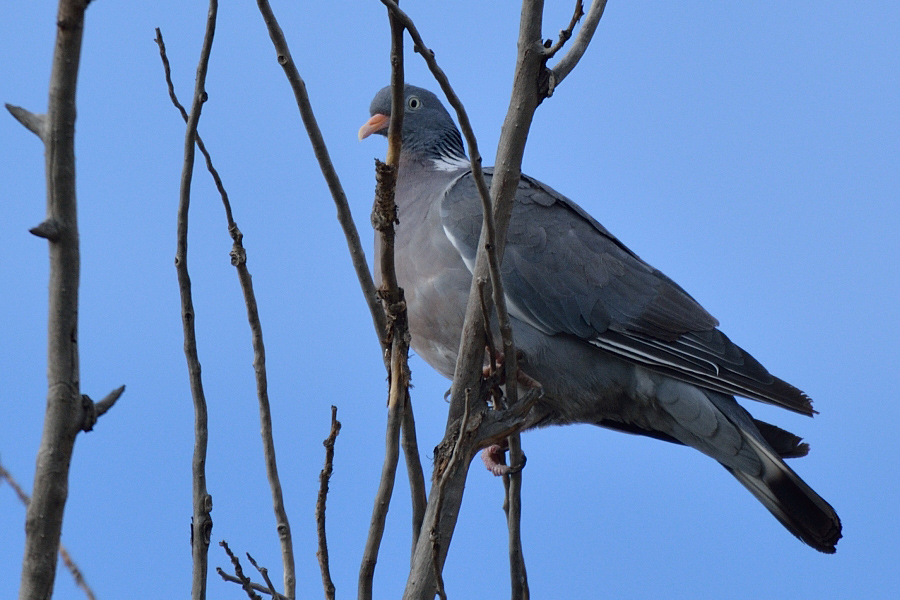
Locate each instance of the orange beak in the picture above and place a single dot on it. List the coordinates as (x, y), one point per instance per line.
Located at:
(377, 123)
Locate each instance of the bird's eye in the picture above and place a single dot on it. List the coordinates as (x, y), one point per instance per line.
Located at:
(413, 103)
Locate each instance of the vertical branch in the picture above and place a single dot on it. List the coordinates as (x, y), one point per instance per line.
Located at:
(324, 478)
(239, 260)
(64, 414)
(201, 522)
(389, 341)
(532, 82)
(512, 504)
(413, 472)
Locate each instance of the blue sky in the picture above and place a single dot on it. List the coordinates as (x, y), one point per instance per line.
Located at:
(749, 151)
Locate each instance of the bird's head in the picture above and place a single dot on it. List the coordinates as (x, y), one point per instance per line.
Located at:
(428, 129)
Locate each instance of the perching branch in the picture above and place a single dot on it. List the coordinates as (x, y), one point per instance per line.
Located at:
(384, 218)
(68, 411)
(527, 94)
(201, 522)
(239, 260)
(324, 478)
(488, 229)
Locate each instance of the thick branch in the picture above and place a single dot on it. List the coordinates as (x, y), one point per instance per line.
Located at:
(524, 100)
(64, 555)
(63, 417)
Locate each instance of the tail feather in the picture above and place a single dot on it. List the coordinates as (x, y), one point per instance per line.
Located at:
(799, 508)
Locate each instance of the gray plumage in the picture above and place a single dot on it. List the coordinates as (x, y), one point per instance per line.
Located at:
(613, 341)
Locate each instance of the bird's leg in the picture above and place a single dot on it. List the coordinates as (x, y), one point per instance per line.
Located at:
(523, 378)
(493, 372)
(494, 460)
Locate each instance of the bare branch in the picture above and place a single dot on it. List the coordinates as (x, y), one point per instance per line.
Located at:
(184, 115)
(239, 260)
(201, 522)
(64, 416)
(384, 217)
(488, 230)
(265, 575)
(512, 482)
(385, 490)
(525, 97)
(258, 587)
(109, 400)
(324, 478)
(239, 572)
(582, 39)
(345, 218)
(566, 34)
(413, 472)
(76, 572)
(48, 229)
(63, 553)
(35, 123)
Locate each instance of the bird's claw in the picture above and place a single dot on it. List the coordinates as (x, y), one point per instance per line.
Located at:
(493, 455)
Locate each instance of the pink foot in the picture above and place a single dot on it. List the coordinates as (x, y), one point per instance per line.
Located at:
(492, 455)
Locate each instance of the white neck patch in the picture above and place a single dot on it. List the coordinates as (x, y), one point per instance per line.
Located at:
(450, 162)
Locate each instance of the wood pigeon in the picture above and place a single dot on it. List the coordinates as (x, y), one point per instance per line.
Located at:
(613, 341)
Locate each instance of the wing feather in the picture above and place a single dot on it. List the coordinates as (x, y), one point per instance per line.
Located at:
(564, 273)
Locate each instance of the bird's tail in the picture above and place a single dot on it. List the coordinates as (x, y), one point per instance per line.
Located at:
(799, 508)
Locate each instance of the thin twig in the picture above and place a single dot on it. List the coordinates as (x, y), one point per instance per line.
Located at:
(256, 586)
(33, 122)
(579, 45)
(239, 260)
(108, 401)
(184, 115)
(77, 575)
(396, 407)
(201, 523)
(265, 575)
(345, 218)
(565, 34)
(239, 572)
(413, 472)
(512, 483)
(324, 478)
